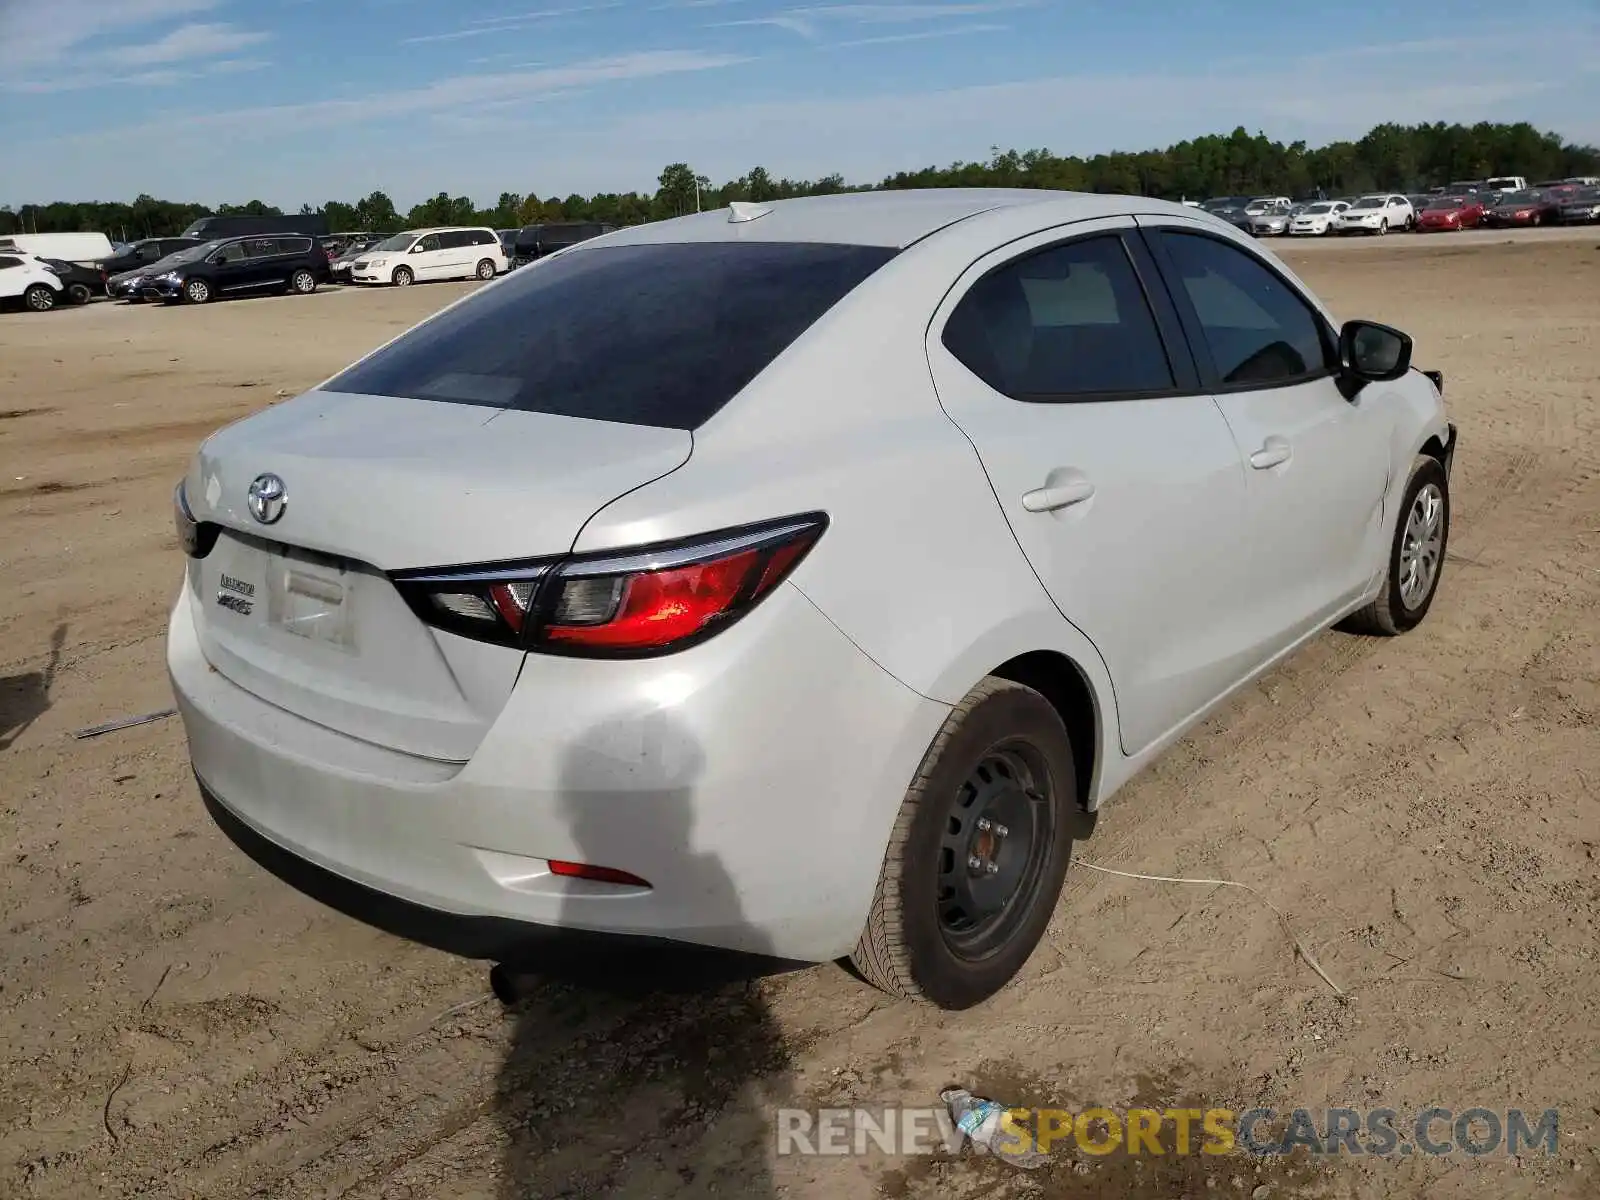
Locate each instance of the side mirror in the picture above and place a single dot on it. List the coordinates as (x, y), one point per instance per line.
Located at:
(1372, 353)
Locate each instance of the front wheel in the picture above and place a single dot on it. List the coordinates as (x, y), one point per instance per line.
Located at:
(1538, 219)
(403, 277)
(197, 291)
(1416, 557)
(303, 283)
(486, 270)
(978, 852)
(1383, 226)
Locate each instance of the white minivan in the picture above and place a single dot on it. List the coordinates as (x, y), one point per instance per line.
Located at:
(421, 254)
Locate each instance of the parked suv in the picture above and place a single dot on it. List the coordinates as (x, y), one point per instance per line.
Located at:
(537, 241)
(421, 254)
(240, 266)
(145, 253)
(29, 279)
(1379, 213)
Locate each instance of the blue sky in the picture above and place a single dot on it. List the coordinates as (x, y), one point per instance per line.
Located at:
(310, 100)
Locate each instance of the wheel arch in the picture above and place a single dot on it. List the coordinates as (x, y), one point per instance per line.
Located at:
(1066, 686)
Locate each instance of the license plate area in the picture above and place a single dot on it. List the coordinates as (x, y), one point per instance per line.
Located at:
(310, 598)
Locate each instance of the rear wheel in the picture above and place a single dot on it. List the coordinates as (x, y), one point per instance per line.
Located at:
(1416, 557)
(303, 283)
(197, 291)
(403, 277)
(486, 269)
(39, 298)
(977, 855)
(79, 293)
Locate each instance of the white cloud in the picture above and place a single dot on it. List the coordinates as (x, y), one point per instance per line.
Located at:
(924, 34)
(504, 24)
(80, 81)
(453, 92)
(187, 42)
(40, 32)
(808, 21)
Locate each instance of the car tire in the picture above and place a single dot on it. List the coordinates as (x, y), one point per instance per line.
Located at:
(302, 283)
(79, 293)
(196, 291)
(485, 270)
(403, 277)
(1002, 754)
(39, 298)
(1383, 226)
(1421, 539)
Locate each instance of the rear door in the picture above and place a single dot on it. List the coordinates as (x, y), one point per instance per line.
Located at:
(1318, 464)
(1062, 360)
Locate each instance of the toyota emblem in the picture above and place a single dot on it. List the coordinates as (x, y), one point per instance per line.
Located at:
(268, 497)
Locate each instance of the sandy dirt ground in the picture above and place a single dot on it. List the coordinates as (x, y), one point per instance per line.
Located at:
(175, 1022)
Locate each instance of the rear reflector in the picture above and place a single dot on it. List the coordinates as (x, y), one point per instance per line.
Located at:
(599, 874)
(626, 603)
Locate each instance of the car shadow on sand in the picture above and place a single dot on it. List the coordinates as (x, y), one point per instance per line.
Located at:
(25, 698)
(637, 1068)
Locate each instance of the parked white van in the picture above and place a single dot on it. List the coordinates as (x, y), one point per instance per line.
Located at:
(461, 252)
(84, 248)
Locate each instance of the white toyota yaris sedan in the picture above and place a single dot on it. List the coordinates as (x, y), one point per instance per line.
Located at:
(796, 579)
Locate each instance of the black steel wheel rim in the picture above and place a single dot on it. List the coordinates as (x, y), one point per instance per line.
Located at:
(998, 830)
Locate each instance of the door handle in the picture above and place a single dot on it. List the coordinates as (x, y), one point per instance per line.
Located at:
(1050, 498)
(1274, 450)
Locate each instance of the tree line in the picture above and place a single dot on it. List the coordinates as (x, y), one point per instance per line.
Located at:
(1389, 157)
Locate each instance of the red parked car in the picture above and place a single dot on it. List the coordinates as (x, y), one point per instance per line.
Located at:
(1520, 208)
(1446, 213)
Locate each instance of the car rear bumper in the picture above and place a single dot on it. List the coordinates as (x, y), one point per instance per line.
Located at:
(1450, 449)
(752, 779)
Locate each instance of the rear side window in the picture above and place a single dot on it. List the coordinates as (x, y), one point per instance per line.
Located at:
(661, 335)
(294, 245)
(483, 237)
(1064, 322)
(6, 261)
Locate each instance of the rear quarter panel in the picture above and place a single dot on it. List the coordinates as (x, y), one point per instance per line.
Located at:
(918, 567)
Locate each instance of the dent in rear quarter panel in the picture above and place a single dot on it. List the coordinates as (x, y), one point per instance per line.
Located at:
(918, 567)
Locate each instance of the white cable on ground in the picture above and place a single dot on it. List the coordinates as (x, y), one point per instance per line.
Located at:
(1299, 946)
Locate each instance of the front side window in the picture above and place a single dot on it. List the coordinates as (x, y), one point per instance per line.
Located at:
(1068, 321)
(1259, 330)
(661, 335)
(231, 253)
(429, 243)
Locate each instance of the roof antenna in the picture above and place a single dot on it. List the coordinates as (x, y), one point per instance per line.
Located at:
(739, 212)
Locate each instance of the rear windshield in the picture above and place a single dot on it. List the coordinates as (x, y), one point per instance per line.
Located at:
(661, 335)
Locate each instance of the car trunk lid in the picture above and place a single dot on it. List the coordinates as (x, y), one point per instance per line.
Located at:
(300, 610)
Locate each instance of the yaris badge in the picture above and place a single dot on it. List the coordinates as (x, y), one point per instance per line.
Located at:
(267, 498)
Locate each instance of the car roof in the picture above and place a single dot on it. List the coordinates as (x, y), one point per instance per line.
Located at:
(444, 229)
(894, 218)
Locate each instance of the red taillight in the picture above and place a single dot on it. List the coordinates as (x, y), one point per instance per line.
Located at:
(624, 603)
(650, 608)
(573, 870)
